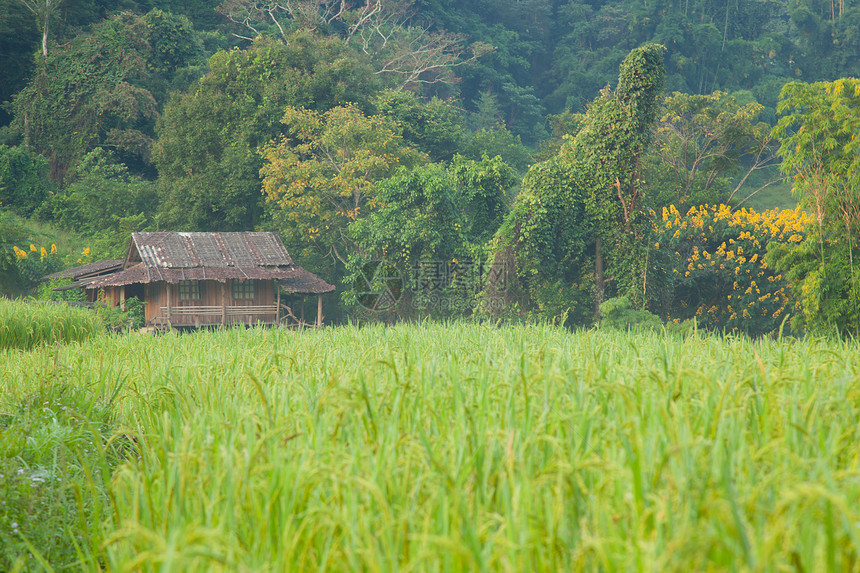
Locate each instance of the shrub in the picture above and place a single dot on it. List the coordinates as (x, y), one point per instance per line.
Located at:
(710, 264)
(619, 313)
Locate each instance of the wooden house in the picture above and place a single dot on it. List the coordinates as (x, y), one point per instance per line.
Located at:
(199, 279)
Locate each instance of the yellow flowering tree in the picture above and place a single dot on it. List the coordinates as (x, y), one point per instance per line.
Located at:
(322, 176)
(34, 262)
(709, 263)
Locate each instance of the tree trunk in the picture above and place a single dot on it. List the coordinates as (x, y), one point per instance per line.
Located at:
(599, 283)
(45, 34)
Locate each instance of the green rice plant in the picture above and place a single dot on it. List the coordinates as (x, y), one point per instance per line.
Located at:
(24, 325)
(57, 455)
(463, 447)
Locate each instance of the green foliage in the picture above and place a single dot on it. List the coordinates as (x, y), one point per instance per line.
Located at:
(322, 177)
(22, 268)
(24, 183)
(175, 55)
(129, 317)
(619, 313)
(562, 125)
(104, 202)
(89, 93)
(710, 46)
(45, 291)
(35, 262)
(101, 195)
(548, 225)
(12, 234)
(588, 200)
(498, 141)
(104, 88)
(434, 127)
(18, 40)
(135, 309)
(818, 149)
(172, 44)
(25, 325)
(433, 223)
(206, 153)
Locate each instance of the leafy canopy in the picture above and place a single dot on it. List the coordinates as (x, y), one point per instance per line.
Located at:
(208, 138)
(321, 176)
(819, 150)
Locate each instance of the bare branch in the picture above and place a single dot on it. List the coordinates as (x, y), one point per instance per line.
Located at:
(429, 57)
(42, 10)
(381, 29)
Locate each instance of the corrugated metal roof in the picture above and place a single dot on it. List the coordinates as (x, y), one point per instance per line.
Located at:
(96, 268)
(171, 250)
(172, 257)
(292, 279)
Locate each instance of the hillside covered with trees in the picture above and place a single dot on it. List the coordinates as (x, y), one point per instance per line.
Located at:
(511, 159)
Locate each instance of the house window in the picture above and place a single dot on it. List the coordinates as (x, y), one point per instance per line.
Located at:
(244, 290)
(189, 290)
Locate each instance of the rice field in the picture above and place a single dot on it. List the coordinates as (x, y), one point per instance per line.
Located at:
(26, 325)
(430, 447)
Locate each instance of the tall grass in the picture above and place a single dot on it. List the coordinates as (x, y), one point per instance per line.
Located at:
(467, 447)
(25, 325)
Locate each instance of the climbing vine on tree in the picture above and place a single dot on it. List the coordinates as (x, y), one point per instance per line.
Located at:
(579, 223)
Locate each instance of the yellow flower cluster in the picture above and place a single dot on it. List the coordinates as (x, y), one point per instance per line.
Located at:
(716, 264)
(85, 253)
(43, 252)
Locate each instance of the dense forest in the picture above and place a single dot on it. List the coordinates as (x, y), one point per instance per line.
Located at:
(578, 153)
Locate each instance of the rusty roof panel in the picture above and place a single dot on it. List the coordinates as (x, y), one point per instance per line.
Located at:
(292, 279)
(176, 253)
(96, 268)
(210, 250)
(271, 251)
(239, 250)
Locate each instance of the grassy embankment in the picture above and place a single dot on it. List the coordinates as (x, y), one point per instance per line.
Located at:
(431, 448)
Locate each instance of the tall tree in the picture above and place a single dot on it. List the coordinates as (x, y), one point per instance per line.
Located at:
(700, 143)
(43, 10)
(405, 53)
(434, 127)
(322, 176)
(433, 223)
(206, 152)
(589, 198)
(89, 93)
(605, 156)
(819, 150)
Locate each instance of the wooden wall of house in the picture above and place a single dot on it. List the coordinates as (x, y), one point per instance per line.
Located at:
(111, 296)
(212, 294)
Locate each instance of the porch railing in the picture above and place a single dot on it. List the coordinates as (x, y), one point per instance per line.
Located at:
(184, 315)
